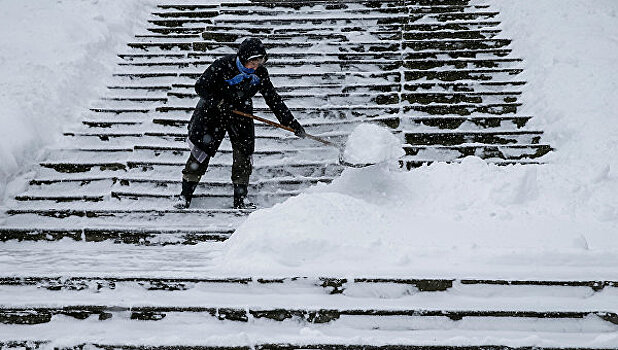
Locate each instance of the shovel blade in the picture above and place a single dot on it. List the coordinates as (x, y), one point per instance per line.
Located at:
(343, 162)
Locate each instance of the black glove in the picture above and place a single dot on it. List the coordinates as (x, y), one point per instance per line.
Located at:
(298, 129)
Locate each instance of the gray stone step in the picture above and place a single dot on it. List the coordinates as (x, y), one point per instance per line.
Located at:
(341, 28)
(223, 186)
(220, 36)
(291, 55)
(324, 345)
(455, 122)
(491, 74)
(128, 235)
(369, 65)
(365, 46)
(176, 30)
(39, 315)
(463, 137)
(413, 162)
(314, 285)
(505, 152)
(249, 10)
(327, 4)
(329, 19)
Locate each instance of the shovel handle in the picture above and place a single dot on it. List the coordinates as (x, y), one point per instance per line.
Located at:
(281, 126)
(264, 120)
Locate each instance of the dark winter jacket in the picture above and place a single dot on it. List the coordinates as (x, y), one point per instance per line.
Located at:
(220, 91)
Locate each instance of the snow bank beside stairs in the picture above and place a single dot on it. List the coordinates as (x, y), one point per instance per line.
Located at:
(558, 220)
(54, 58)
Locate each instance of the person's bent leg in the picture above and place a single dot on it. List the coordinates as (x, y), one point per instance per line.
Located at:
(191, 175)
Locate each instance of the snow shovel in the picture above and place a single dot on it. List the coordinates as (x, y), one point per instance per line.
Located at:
(341, 148)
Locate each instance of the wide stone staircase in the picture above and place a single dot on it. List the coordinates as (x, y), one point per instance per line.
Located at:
(438, 73)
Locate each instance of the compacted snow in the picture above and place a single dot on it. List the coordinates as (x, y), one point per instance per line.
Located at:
(547, 217)
(562, 216)
(54, 58)
(370, 143)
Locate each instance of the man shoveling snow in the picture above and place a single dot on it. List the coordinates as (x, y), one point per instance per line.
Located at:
(226, 85)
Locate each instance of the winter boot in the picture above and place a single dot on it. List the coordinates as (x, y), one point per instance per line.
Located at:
(240, 195)
(184, 200)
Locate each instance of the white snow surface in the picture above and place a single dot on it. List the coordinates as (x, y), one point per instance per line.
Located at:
(380, 219)
(371, 144)
(54, 59)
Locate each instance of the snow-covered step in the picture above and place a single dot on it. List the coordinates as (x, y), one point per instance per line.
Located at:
(299, 100)
(380, 289)
(275, 135)
(449, 34)
(143, 87)
(258, 28)
(217, 223)
(288, 4)
(361, 318)
(348, 111)
(122, 182)
(232, 36)
(189, 14)
(317, 78)
(167, 45)
(312, 126)
(249, 11)
(270, 170)
(278, 65)
(451, 138)
(298, 336)
(279, 141)
(457, 54)
(160, 38)
(163, 196)
(177, 30)
(495, 74)
(393, 55)
(118, 234)
(216, 169)
(365, 19)
(361, 46)
(461, 86)
(324, 88)
(164, 146)
(474, 122)
(413, 162)
(455, 98)
(225, 158)
(380, 110)
(451, 153)
(464, 108)
(178, 36)
(295, 101)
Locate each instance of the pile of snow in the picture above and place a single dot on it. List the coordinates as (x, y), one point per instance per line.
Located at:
(371, 144)
(54, 58)
(380, 219)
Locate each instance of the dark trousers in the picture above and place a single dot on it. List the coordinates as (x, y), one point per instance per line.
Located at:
(241, 168)
(207, 129)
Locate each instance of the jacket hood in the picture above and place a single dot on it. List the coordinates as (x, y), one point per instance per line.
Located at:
(250, 48)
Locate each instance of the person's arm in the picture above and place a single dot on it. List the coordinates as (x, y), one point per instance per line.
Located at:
(276, 104)
(209, 84)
